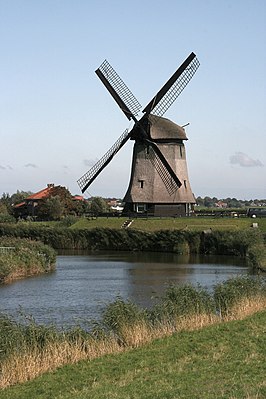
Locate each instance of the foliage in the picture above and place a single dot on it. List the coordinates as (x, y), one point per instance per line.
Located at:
(7, 218)
(14, 199)
(98, 206)
(119, 314)
(235, 243)
(25, 257)
(221, 361)
(246, 243)
(68, 221)
(51, 209)
(232, 291)
(183, 300)
(3, 209)
(41, 348)
(209, 202)
(18, 337)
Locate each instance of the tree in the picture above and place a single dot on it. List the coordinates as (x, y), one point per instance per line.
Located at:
(208, 202)
(65, 198)
(80, 208)
(6, 200)
(3, 209)
(98, 206)
(19, 196)
(51, 209)
(200, 201)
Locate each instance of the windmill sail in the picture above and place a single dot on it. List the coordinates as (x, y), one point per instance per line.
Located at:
(119, 90)
(85, 181)
(173, 87)
(141, 130)
(168, 176)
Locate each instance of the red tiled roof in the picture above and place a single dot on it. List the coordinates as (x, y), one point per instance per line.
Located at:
(19, 205)
(78, 198)
(41, 194)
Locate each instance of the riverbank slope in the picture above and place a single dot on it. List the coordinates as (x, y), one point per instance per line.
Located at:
(246, 243)
(21, 258)
(220, 361)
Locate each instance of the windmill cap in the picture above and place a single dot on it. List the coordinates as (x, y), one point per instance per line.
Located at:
(162, 128)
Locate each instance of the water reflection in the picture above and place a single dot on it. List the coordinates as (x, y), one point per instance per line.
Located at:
(84, 282)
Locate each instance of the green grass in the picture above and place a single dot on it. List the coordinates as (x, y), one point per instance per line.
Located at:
(154, 224)
(220, 361)
(28, 350)
(102, 222)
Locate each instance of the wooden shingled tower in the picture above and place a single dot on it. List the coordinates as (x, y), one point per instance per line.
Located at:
(159, 183)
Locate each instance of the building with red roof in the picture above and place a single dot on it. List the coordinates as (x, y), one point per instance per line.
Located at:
(31, 205)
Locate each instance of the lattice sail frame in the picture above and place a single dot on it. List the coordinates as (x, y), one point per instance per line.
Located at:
(131, 107)
(119, 87)
(176, 89)
(85, 180)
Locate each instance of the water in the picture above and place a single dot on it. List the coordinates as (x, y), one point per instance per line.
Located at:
(83, 284)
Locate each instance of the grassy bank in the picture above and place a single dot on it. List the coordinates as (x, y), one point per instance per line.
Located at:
(28, 350)
(155, 224)
(24, 257)
(247, 243)
(225, 361)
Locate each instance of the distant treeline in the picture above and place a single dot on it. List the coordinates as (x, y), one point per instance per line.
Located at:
(213, 202)
(245, 243)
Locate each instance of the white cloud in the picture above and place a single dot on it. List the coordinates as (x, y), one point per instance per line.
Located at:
(6, 167)
(90, 162)
(241, 159)
(30, 165)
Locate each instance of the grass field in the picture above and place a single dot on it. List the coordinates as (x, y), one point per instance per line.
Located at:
(153, 224)
(225, 360)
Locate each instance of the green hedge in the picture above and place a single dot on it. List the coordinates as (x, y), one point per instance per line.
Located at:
(21, 257)
(239, 243)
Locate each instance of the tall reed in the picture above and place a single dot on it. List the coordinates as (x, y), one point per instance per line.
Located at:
(28, 349)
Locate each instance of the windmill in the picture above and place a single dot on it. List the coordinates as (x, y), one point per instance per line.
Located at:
(159, 183)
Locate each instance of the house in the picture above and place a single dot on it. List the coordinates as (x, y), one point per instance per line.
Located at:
(221, 204)
(31, 205)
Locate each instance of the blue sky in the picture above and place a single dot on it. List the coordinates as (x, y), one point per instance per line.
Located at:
(56, 117)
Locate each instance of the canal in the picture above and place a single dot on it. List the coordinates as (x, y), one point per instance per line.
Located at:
(84, 283)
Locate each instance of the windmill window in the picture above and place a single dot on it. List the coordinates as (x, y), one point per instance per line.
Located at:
(180, 148)
(185, 183)
(140, 208)
(141, 183)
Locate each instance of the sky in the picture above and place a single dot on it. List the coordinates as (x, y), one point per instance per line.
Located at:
(57, 118)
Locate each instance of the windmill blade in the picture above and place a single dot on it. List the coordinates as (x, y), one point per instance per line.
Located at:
(85, 181)
(168, 176)
(173, 87)
(119, 91)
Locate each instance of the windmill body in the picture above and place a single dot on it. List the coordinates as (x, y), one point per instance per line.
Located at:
(159, 183)
(146, 192)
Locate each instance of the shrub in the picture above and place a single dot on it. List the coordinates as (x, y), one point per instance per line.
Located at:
(180, 301)
(26, 258)
(6, 218)
(120, 317)
(230, 292)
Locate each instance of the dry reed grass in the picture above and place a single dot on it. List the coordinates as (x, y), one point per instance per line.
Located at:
(32, 363)
(137, 334)
(246, 307)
